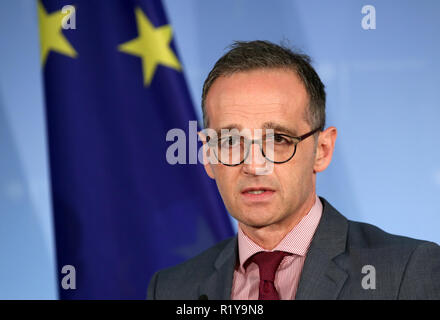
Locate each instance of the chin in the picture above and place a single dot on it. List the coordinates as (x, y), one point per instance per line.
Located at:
(256, 221)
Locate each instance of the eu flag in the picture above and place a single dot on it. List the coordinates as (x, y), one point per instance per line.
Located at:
(114, 88)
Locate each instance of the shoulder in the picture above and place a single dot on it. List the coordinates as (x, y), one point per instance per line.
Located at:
(406, 266)
(364, 235)
(200, 264)
(413, 265)
(364, 239)
(171, 282)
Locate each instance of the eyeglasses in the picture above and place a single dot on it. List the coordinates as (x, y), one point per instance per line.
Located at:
(233, 150)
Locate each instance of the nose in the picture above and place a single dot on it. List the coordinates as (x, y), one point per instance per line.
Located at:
(255, 163)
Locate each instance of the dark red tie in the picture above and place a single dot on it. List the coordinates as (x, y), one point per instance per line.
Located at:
(268, 263)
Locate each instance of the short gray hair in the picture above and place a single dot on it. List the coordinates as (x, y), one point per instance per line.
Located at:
(252, 55)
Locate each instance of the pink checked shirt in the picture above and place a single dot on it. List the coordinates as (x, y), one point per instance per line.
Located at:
(297, 241)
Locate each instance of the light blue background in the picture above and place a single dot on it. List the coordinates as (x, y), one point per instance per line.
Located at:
(383, 92)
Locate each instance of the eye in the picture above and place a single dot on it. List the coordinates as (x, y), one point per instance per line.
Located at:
(230, 141)
(281, 139)
(278, 138)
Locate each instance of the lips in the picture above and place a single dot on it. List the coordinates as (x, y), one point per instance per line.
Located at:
(256, 190)
(252, 195)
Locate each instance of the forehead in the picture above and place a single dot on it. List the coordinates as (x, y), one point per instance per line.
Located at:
(253, 98)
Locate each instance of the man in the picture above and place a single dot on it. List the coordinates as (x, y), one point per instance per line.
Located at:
(291, 244)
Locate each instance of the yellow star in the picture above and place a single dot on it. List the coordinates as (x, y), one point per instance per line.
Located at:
(51, 37)
(152, 46)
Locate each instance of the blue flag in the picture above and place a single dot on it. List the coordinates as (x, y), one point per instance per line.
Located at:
(114, 88)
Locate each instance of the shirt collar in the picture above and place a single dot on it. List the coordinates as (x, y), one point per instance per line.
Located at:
(297, 241)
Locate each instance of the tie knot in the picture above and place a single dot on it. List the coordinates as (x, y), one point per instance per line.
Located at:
(268, 263)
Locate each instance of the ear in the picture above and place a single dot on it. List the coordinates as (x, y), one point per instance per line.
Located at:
(324, 149)
(206, 156)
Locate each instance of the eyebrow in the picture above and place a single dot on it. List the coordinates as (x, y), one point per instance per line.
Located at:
(280, 128)
(267, 125)
(228, 127)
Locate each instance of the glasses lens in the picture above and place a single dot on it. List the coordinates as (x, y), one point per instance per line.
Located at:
(279, 147)
(230, 149)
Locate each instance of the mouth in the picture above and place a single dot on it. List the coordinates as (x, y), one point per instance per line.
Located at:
(257, 194)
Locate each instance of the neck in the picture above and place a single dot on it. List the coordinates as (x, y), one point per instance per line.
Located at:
(268, 237)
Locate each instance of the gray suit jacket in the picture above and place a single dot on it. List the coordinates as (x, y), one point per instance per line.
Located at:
(404, 268)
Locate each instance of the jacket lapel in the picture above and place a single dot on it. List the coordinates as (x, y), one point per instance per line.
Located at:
(321, 277)
(218, 285)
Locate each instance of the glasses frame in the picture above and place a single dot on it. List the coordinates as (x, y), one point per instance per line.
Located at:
(249, 142)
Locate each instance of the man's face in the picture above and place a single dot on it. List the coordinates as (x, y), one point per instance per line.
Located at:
(258, 99)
